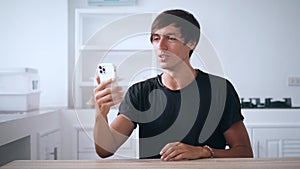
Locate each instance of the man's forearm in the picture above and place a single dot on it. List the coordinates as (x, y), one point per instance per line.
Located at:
(234, 152)
(105, 143)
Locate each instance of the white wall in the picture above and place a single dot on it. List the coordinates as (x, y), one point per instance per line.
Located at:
(257, 41)
(34, 34)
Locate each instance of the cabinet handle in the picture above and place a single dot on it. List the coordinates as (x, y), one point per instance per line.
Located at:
(54, 153)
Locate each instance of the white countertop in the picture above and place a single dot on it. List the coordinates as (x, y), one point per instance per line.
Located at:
(6, 116)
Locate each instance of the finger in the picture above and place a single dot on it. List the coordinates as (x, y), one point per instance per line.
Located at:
(98, 80)
(102, 88)
(167, 146)
(117, 89)
(167, 150)
(103, 99)
(176, 151)
(108, 95)
(101, 93)
(103, 84)
(179, 157)
(113, 102)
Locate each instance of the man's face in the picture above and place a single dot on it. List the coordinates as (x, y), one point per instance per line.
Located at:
(169, 47)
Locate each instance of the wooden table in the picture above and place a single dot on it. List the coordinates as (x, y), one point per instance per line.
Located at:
(225, 163)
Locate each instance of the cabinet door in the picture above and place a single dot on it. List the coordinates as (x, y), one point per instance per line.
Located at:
(42, 147)
(86, 147)
(53, 143)
(276, 142)
(86, 141)
(49, 145)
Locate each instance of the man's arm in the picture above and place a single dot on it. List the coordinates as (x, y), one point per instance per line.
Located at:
(238, 141)
(108, 138)
(236, 136)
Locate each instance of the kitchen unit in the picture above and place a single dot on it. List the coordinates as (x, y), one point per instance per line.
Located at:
(66, 134)
(37, 132)
(79, 143)
(273, 132)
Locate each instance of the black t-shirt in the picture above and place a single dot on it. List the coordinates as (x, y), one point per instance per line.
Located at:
(197, 115)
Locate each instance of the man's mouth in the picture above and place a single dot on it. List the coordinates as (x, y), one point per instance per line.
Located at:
(163, 56)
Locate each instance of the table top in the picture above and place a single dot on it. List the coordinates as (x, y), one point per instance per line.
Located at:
(224, 163)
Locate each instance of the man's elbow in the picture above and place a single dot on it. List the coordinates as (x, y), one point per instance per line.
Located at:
(248, 153)
(102, 153)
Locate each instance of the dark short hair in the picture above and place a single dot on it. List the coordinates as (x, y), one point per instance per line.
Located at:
(185, 21)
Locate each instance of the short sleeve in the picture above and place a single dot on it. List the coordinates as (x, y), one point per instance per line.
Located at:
(232, 111)
(128, 105)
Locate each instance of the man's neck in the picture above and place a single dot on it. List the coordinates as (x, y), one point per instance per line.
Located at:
(179, 78)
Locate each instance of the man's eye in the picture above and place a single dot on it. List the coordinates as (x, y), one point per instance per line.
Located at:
(172, 38)
(155, 38)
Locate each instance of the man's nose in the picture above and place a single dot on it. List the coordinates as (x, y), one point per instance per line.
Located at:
(162, 44)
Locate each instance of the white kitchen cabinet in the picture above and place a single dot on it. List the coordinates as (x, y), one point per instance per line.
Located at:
(85, 142)
(78, 138)
(49, 145)
(274, 132)
(41, 128)
(277, 141)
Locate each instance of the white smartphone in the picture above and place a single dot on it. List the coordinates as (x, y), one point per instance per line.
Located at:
(106, 71)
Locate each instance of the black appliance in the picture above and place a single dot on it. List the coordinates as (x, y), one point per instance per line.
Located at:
(269, 103)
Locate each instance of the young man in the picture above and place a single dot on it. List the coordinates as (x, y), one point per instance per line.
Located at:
(182, 113)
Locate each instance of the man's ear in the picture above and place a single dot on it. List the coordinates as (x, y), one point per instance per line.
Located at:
(191, 44)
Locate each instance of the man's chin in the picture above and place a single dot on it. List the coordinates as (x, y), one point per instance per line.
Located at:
(163, 65)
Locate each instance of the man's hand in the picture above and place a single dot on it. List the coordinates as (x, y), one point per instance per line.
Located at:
(180, 151)
(105, 97)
